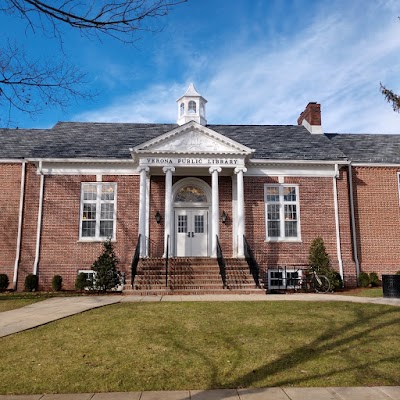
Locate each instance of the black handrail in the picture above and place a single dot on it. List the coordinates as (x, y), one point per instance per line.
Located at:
(135, 260)
(251, 262)
(221, 263)
(166, 261)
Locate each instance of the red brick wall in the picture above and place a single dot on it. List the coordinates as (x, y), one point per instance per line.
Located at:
(10, 182)
(377, 214)
(61, 251)
(157, 203)
(317, 218)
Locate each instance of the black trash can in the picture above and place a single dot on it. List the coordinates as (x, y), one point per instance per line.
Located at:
(391, 285)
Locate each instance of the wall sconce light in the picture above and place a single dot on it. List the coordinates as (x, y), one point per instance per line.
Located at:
(158, 217)
(224, 217)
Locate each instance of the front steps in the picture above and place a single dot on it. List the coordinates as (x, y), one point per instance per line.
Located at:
(191, 276)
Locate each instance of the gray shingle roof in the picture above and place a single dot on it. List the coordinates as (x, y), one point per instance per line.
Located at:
(368, 148)
(113, 140)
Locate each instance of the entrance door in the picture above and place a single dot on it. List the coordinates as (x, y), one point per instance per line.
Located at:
(191, 232)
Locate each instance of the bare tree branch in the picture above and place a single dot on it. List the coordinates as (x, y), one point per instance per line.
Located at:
(120, 19)
(391, 98)
(31, 86)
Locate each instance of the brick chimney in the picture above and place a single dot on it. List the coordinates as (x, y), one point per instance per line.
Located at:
(311, 118)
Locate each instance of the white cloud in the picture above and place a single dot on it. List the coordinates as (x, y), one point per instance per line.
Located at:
(338, 60)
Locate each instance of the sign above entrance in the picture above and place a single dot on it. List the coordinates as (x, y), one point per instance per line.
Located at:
(191, 161)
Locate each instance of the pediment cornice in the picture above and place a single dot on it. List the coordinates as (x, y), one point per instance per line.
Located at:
(191, 139)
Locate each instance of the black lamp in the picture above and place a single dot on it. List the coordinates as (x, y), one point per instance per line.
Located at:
(158, 217)
(224, 217)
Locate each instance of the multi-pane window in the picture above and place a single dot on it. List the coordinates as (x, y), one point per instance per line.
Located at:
(284, 278)
(98, 210)
(282, 212)
(192, 107)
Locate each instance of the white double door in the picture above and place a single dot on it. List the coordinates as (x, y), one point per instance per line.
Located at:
(191, 232)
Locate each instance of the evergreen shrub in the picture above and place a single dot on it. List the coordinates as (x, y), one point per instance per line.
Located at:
(56, 283)
(363, 279)
(319, 260)
(4, 281)
(106, 277)
(82, 282)
(31, 283)
(373, 279)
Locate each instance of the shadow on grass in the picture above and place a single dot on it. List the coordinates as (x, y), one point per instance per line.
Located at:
(328, 342)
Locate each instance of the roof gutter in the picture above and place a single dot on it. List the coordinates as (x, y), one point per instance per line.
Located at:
(81, 160)
(310, 162)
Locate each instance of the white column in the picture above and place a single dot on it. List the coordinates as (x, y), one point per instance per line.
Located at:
(142, 209)
(214, 209)
(240, 210)
(168, 171)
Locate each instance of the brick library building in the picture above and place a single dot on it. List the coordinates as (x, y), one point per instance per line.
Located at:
(184, 196)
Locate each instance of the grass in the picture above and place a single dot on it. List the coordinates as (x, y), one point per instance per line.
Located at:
(365, 292)
(175, 346)
(12, 300)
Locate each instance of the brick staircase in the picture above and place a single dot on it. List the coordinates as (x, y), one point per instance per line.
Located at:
(192, 276)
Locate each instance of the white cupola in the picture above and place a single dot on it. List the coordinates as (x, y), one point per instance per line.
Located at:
(192, 107)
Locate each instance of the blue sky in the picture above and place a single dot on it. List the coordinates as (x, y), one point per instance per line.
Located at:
(255, 61)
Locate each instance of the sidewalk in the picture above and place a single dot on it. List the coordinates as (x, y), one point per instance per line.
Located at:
(329, 393)
(56, 308)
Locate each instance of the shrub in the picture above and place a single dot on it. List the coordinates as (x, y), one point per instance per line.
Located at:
(373, 279)
(319, 260)
(56, 283)
(105, 266)
(82, 282)
(363, 279)
(31, 283)
(4, 281)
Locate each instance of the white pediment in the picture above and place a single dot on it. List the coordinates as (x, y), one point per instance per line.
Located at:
(192, 138)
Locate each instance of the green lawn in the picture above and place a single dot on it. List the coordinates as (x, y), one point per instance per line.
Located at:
(366, 292)
(167, 346)
(13, 300)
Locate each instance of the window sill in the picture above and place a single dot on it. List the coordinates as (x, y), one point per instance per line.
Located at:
(283, 240)
(95, 240)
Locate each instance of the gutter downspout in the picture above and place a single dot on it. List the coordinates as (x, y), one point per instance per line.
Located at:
(19, 234)
(353, 222)
(335, 199)
(39, 221)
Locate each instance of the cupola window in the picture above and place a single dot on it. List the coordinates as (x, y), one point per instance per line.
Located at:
(202, 109)
(192, 107)
(182, 109)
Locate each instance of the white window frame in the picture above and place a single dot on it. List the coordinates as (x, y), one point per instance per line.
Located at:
(98, 201)
(282, 202)
(285, 277)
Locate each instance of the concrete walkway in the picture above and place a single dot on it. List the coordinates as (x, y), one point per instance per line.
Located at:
(329, 393)
(49, 310)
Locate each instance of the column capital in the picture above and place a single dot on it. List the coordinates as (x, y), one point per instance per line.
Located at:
(143, 168)
(213, 169)
(166, 169)
(240, 169)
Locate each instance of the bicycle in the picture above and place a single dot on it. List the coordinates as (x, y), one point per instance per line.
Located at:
(312, 281)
